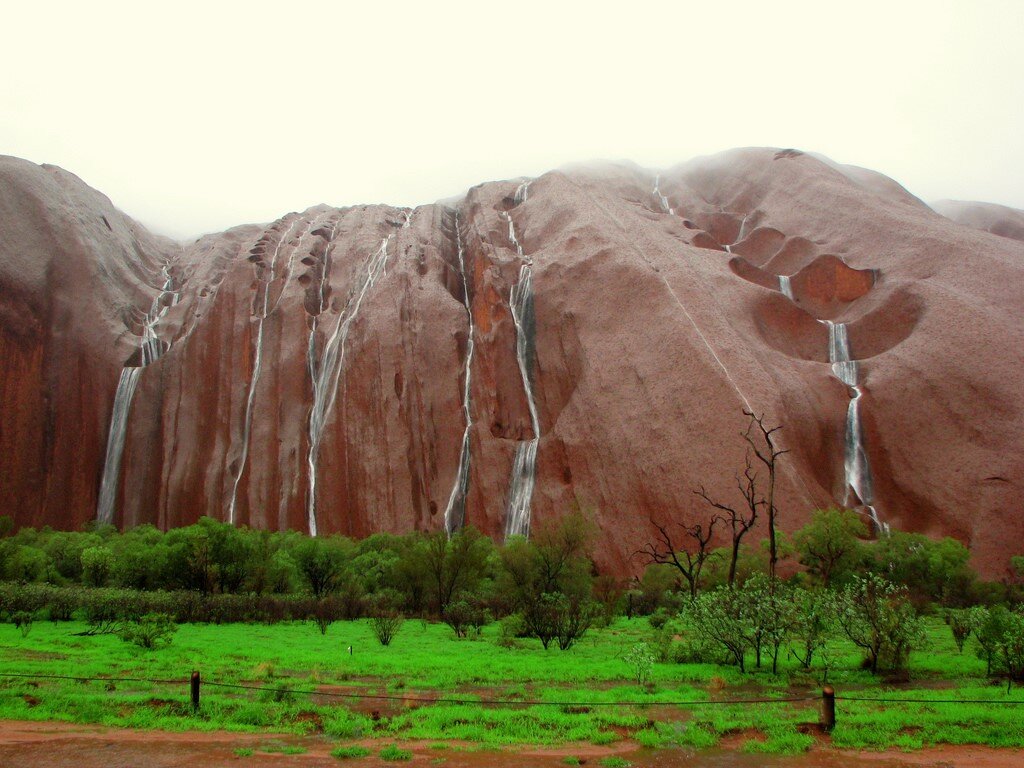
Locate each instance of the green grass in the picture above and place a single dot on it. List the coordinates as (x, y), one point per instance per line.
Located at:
(425, 660)
(349, 753)
(394, 753)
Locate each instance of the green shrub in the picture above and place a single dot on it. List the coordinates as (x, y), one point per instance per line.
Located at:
(150, 631)
(392, 753)
(349, 753)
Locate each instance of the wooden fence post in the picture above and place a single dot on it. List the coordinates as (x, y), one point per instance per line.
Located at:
(828, 708)
(195, 691)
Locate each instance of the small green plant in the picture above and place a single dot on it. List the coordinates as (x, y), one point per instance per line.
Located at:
(615, 762)
(23, 621)
(385, 626)
(244, 752)
(393, 753)
(571, 760)
(640, 661)
(149, 632)
(349, 753)
(277, 748)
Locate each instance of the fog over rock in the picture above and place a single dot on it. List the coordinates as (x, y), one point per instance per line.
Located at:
(311, 371)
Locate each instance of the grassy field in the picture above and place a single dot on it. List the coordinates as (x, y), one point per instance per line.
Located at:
(427, 661)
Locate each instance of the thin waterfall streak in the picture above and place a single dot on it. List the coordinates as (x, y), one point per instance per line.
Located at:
(150, 350)
(856, 467)
(608, 214)
(257, 368)
(786, 287)
(115, 444)
(326, 372)
(522, 192)
(524, 465)
(664, 200)
(455, 511)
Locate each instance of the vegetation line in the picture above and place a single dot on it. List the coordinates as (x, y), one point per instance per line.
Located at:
(931, 701)
(94, 679)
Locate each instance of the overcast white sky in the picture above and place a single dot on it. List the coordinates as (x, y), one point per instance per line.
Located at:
(202, 115)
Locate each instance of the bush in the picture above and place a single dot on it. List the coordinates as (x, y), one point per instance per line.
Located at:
(659, 618)
(150, 631)
(640, 661)
(877, 617)
(510, 629)
(385, 625)
(1000, 637)
(23, 621)
(466, 615)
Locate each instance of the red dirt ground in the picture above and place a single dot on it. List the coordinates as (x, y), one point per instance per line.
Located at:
(49, 744)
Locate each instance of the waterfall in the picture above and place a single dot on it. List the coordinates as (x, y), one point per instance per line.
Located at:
(257, 368)
(786, 287)
(855, 457)
(843, 368)
(455, 512)
(150, 350)
(522, 193)
(325, 370)
(115, 444)
(524, 464)
(664, 200)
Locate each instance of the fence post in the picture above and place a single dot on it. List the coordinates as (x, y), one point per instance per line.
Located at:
(828, 708)
(195, 691)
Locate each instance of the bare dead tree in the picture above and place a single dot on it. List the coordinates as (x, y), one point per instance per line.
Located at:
(759, 437)
(739, 521)
(689, 563)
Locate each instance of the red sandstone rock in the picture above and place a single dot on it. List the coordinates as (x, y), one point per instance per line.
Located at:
(650, 340)
(988, 217)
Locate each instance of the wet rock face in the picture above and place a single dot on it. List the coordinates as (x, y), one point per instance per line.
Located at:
(313, 370)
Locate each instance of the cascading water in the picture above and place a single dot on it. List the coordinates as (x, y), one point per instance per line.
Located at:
(517, 520)
(664, 200)
(522, 193)
(325, 370)
(150, 350)
(455, 512)
(855, 458)
(263, 287)
(786, 287)
(524, 465)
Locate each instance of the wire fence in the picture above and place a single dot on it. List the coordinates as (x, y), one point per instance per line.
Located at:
(827, 698)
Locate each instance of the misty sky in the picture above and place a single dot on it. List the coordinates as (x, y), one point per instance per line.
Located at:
(200, 116)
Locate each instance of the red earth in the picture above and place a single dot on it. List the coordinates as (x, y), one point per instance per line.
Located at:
(47, 744)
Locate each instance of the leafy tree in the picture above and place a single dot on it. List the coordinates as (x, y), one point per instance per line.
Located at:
(97, 566)
(931, 570)
(877, 616)
(814, 623)
(321, 562)
(773, 614)
(829, 546)
(455, 564)
(963, 622)
(721, 617)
